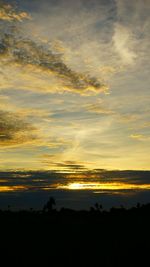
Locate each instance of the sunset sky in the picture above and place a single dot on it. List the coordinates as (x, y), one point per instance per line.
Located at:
(74, 85)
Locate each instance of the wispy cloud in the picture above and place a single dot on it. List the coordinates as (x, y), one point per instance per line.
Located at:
(55, 59)
(99, 109)
(123, 39)
(140, 137)
(131, 31)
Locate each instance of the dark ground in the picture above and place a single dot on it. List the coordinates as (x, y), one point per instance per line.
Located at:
(119, 237)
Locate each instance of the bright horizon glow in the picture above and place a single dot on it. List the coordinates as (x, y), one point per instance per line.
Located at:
(103, 186)
(12, 188)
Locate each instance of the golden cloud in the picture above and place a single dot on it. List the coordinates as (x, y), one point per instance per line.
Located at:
(14, 130)
(9, 13)
(139, 137)
(32, 58)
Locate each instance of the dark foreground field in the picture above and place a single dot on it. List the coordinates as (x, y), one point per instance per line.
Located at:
(76, 238)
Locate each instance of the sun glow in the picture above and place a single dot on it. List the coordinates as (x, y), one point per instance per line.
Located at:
(103, 186)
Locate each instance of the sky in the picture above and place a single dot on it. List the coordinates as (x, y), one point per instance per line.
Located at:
(74, 85)
(78, 190)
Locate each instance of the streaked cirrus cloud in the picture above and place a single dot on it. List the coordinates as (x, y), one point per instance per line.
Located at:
(31, 60)
(74, 84)
(14, 130)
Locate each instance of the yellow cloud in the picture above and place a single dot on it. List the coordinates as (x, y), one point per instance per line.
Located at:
(28, 63)
(129, 118)
(14, 130)
(8, 13)
(96, 108)
(8, 188)
(139, 137)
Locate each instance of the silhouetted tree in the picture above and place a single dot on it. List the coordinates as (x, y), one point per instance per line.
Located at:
(49, 205)
(9, 207)
(138, 205)
(98, 207)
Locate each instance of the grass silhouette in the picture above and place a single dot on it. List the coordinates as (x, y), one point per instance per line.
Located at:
(119, 237)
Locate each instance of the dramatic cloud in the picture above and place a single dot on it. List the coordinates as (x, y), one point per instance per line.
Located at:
(55, 59)
(14, 130)
(17, 48)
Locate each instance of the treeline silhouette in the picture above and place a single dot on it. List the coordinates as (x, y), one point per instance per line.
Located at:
(66, 237)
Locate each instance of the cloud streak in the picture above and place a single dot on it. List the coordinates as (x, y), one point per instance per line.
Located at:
(131, 31)
(14, 130)
(20, 49)
(123, 44)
